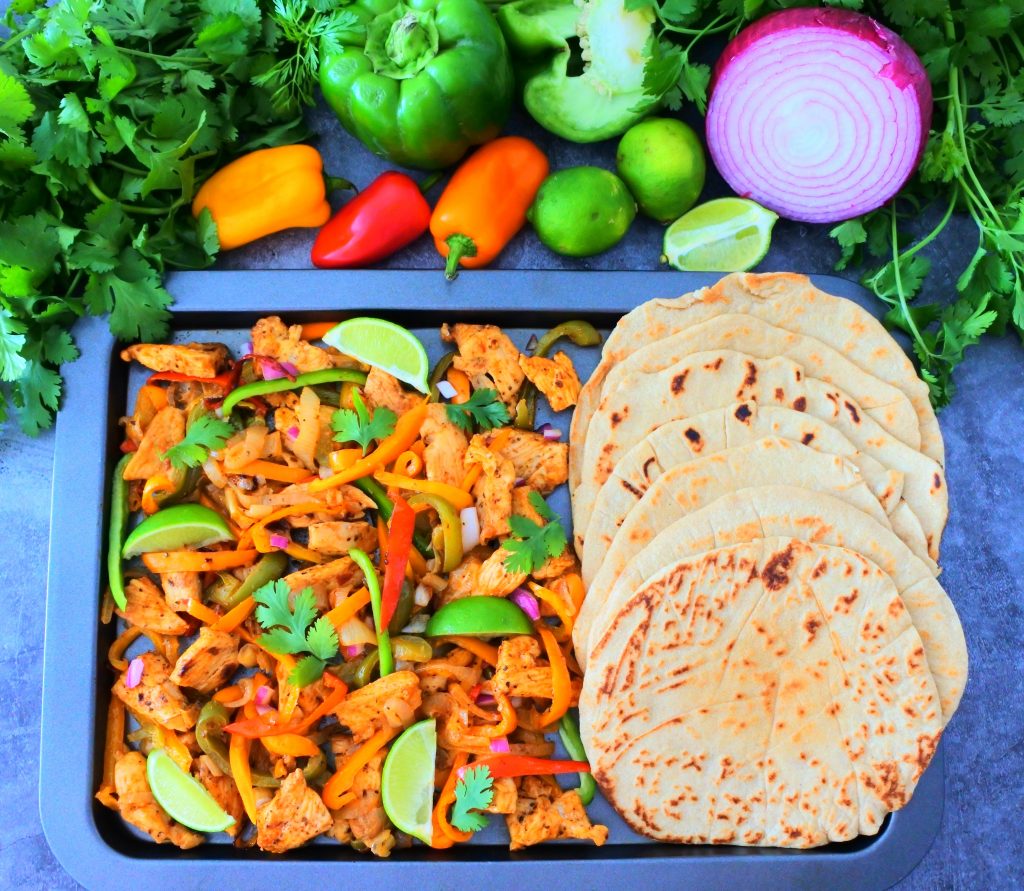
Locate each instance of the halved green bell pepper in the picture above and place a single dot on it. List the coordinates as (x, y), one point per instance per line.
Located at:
(581, 67)
(422, 81)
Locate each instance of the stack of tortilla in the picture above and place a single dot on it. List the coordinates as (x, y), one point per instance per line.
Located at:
(758, 503)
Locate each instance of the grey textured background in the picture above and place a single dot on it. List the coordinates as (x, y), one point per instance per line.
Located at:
(981, 844)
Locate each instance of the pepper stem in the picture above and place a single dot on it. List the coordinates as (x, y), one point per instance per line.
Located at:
(338, 184)
(459, 246)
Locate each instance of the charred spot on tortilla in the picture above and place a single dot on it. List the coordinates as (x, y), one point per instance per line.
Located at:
(811, 625)
(714, 366)
(800, 403)
(633, 490)
(937, 481)
(807, 438)
(776, 571)
(618, 418)
(852, 409)
(692, 435)
(743, 412)
(647, 467)
(679, 382)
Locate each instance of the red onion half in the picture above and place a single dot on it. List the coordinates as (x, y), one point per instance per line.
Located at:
(818, 114)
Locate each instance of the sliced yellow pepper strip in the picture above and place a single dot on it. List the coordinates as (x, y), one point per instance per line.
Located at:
(458, 498)
(345, 776)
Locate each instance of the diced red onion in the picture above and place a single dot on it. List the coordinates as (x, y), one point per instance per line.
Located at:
(520, 481)
(446, 389)
(293, 432)
(500, 744)
(470, 528)
(485, 699)
(353, 651)
(819, 114)
(290, 369)
(526, 602)
(279, 541)
(262, 695)
(552, 434)
(247, 348)
(133, 676)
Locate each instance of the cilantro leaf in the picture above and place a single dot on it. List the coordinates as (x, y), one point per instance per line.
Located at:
(850, 236)
(532, 544)
(207, 434)
(306, 671)
(484, 408)
(358, 426)
(322, 639)
(286, 623)
(473, 793)
(15, 105)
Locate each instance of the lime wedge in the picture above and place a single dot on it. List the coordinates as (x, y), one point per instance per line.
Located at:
(479, 617)
(407, 781)
(383, 344)
(182, 796)
(724, 235)
(181, 526)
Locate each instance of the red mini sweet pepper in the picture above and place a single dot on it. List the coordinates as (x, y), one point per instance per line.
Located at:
(386, 216)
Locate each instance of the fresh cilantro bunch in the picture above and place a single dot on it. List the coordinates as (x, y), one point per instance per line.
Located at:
(484, 408)
(532, 544)
(474, 792)
(359, 426)
(295, 629)
(111, 116)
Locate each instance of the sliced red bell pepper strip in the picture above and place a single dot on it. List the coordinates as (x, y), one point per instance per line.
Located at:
(403, 519)
(527, 766)
(267, 725)
(226, 380)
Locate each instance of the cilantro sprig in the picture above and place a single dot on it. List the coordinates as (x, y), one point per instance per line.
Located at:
(484, 408)
(293, 628)
(474, 792)
(111, 117)
(206, 434)
(532, 543)
(359, 426)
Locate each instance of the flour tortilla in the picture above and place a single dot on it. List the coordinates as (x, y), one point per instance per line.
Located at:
(687, 488)
(888, 405)
(702, 381)
(708, 433)
(791, 512)
(785, 300)
(737, 698)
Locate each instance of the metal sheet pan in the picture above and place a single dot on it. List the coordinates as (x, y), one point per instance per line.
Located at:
(94, 845)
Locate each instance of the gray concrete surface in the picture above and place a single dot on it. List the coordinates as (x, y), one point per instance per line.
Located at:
(981, 844)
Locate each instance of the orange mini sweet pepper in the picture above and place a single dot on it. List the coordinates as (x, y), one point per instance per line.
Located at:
(264, 192)
(485, 202)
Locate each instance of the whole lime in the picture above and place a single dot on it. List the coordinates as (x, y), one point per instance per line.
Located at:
(662, 162)
(582, 211)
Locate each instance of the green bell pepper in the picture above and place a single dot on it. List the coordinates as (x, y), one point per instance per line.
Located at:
(581, 67)
(420, 82)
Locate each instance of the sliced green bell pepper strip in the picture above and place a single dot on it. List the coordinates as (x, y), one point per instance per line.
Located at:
(451, 527)
(213, 717)
(117, 530)
(309, 379)
(403, 612)
(580, 333)
(387, 659)
(438, 373)
(269, 569)
(570, 735)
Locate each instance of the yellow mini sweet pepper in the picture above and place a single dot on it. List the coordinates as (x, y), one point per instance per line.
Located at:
(264, 192)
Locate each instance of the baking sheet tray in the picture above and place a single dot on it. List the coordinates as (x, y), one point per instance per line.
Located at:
(96, 847)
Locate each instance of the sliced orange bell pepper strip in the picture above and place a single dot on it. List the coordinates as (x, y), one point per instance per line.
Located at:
(197, 561)
(316, 330)
(238, 758)
(509, 721)
(290, 744)
(343, 778)
(563, 609)
(234, 616)
(497, 442)
(460, 380)
(271, 470)
(444, 835)
(458, 498)
(115, 655)
(478, 648)
(202, 612)
(561, 685)
(472, 475)
(308, 507)
(347, 798)
(407, 429)
(157, 396)
(343, 459)
(348, 607)
(154, 486)
(408, 464)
